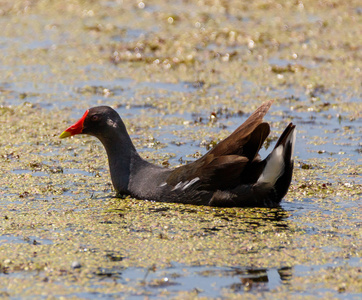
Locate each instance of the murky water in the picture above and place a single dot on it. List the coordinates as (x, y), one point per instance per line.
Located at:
(166, 68)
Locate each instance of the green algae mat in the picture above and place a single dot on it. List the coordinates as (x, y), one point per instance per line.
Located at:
(183, 75)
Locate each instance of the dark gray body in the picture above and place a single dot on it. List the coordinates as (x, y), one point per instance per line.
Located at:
(231, 174)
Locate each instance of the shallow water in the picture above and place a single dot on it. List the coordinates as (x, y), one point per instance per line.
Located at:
(169, 69)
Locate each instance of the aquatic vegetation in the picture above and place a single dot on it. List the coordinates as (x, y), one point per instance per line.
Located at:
(183, 75)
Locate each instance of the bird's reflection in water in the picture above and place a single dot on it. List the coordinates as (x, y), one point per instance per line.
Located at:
(260, 279)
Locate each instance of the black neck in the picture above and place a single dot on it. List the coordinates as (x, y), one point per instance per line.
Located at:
(121, 156)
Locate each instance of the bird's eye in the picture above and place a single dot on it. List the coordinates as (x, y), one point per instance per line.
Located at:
(94, 118)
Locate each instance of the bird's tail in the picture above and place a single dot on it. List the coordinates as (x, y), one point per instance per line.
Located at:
(273, 181)
(277, 173)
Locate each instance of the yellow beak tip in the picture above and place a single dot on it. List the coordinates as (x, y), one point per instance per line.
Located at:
(65, 134)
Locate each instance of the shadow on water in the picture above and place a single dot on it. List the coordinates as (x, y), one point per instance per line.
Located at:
(235, 219)
(250, 218)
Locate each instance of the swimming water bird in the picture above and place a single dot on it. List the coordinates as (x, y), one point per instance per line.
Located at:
(231, 174)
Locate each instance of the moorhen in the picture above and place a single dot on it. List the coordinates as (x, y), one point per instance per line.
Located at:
(230, 174)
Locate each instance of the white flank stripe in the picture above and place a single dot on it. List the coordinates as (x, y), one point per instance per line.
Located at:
(177, 186)
(191, 183)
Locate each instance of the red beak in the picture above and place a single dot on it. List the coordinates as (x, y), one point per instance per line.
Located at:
(76, 128)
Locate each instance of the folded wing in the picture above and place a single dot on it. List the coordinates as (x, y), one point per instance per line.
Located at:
(223, 166)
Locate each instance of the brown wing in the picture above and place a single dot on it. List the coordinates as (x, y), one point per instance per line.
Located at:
(213, 172)
(222, 167)
(234, 143)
